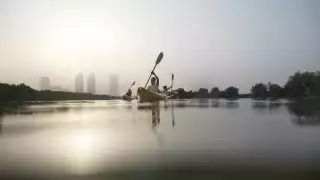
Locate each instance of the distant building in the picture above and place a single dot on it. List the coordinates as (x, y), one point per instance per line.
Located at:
(114, 85)
(57, 88)
(45, 83)
(79, 83)
(91, 84)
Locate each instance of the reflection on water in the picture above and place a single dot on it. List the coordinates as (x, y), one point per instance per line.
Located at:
(231, 104)
(267, 105)
(155, 111)
(63, 107)
(98, 137)
(68, 108)
(172, 109)
(205, 103)
(155, 114)
(305, 112)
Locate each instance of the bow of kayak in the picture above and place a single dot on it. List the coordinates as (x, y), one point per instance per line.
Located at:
(128, 98)
(149, 96)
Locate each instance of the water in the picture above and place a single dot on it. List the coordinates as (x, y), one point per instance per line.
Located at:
(209, 138)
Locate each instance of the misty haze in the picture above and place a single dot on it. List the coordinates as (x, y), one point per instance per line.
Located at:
(159, 89)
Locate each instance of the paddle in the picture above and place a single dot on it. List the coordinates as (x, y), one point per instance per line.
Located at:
(172, 77)
(173, 123)
(134, 82)
(160, 56)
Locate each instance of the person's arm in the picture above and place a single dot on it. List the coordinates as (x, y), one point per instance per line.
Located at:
(156, 78)
(129, 92)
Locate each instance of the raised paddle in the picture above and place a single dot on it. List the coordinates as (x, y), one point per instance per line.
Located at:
(172, 77)
(160, 56)
(134, 82)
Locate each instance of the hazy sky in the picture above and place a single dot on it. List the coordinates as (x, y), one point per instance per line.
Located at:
(205, 43)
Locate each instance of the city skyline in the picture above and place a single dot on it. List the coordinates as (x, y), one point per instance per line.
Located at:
(79, 84)
(114, 85)
(83, 83)
(45, 83)
(91, 83)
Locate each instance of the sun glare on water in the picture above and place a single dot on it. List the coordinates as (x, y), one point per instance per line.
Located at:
(81, 146)
(82, 143)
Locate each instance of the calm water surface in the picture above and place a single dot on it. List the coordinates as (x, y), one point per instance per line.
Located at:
(95, 138)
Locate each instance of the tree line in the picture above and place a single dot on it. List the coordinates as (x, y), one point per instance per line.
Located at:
(299, 85)
(230, 92)
(23, 92)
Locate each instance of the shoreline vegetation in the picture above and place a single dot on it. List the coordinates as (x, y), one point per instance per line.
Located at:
(300, 85)
(24, 93)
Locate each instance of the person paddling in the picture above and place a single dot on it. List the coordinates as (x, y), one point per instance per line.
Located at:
(154, 87)
(166, 90)
(129, 93)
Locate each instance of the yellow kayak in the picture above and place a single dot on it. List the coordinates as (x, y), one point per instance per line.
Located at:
(149, 96)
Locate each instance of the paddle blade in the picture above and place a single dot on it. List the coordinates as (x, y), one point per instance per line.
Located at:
(134, 82)
(160, 56)
(172, 77)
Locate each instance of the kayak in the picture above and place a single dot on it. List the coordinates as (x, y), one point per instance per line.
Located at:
(149, 96)
(127, 98)
(172, 95)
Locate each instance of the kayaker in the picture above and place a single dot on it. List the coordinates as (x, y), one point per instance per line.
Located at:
(129, 93)
(154, 87)
(166, 90)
